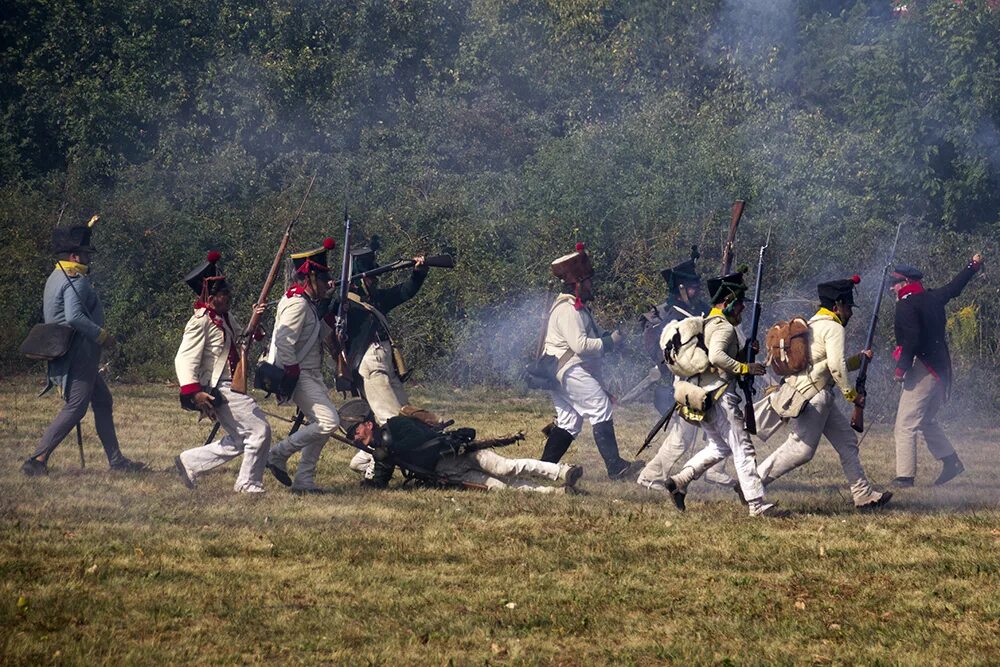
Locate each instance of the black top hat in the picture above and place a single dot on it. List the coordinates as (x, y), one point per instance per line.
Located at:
(730, 285)
(314, 261)
(685, 273)
(73, 239)
(363, 258)
(207, 278)
(905, 272)
(837, 291)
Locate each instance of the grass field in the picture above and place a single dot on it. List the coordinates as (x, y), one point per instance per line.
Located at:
(104, 568)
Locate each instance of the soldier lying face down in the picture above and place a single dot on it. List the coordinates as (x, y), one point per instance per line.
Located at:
(446, 458)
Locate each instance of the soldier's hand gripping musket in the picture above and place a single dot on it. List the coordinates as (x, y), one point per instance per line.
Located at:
(239, 384)
(860, 384)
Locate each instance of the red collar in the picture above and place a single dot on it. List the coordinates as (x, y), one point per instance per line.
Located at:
(916, 287)
(219, 320)
(296, 290)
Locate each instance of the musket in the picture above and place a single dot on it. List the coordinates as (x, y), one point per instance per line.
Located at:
(652, 377)
(749, 355)
(437, 261)
(505, 441)
(727, 250)
(660, 425)
(860, 384)
(343, 376)
(239, 381)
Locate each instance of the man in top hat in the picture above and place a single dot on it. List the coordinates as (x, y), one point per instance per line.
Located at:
(70, 299)
(573, 338)
(204, 363)
(722, 419)
(296, 347)
(923, 366)
(684, 299)
(820, 383)
(416, 447)
(371, 358)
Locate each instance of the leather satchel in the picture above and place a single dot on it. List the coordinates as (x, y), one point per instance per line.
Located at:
(47, 342)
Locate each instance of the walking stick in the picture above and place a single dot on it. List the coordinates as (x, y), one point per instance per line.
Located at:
(79, 443)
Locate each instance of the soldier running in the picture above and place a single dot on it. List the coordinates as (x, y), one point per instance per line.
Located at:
(722, 417)
(205, 363)
(820, 416)
(573, 339)
(921, 337)
(684, 299)
(296, 347)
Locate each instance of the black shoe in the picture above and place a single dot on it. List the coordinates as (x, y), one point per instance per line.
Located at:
(34, 468)
(182, 471)
(772, 511)
(902, 482)
(739, 494)
(573, 476)
(876, 505)
(675, 494)
(126, 465)
(628, 470)
(279, 474)
(952, 468)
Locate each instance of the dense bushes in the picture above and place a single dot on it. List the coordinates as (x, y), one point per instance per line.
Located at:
(507, 130)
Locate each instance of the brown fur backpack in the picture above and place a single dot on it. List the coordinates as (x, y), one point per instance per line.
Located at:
(788, 346)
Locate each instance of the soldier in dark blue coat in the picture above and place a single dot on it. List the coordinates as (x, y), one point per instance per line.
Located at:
(70, 299)
(923, 366)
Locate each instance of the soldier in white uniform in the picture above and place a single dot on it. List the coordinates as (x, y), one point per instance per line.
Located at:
(296, 347)
(684, 300)
(572, 337)
(205, 362)
(819, 384)
(722, 417)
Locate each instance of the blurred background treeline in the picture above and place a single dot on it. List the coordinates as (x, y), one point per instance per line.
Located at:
(507, 130)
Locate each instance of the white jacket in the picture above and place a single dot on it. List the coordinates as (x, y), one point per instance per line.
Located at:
(572, 329)
(297, 336)
(202, 359)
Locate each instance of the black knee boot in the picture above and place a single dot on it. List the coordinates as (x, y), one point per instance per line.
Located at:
(607, 445)
(556, 445)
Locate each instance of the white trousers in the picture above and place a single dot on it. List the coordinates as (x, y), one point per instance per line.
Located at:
(382, 387)
(312, 397)
(247, 433)
(726, 434)
(486, 467)
(819, 417)
(581, 396)
(680, 439)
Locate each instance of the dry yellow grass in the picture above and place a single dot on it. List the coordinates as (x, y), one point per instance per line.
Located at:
(104, 568)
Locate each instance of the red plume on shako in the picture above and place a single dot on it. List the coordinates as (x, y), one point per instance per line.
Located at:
(207, 279)
(855, 279)
(329, 243)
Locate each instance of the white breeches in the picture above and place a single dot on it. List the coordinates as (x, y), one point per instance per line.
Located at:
(382, 387)
(581, 396)
(247, 433)
(311, 397)
(486, 467)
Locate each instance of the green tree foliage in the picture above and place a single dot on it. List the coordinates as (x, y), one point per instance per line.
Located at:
(507, 130)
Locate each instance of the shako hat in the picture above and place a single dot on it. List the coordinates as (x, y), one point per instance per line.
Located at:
(905, 272)
(574, 267)
(837, 290)
(207, 278)
(73, 239)
(354, 412)
(685, 273)
(721, 288)
(363, 258)
(314, 261)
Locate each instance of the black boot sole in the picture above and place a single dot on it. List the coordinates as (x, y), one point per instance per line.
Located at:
(676, 495)
(279, 474)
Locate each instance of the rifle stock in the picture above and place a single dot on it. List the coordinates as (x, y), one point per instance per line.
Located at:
(436, 261)
(727, 250)
(239, 382)
(861, 383)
